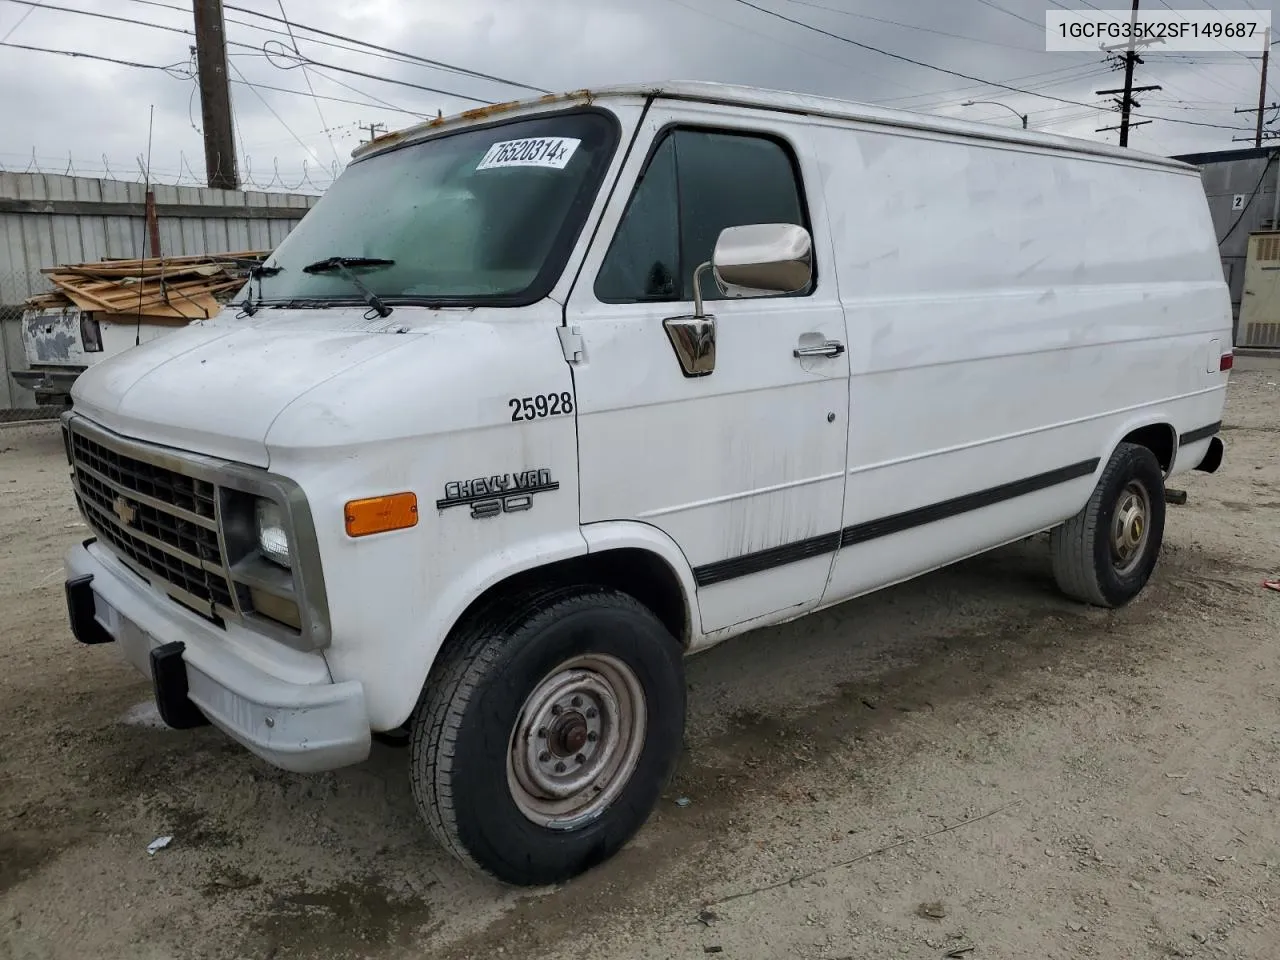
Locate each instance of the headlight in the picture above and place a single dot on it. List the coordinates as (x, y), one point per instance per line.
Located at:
(273, 538)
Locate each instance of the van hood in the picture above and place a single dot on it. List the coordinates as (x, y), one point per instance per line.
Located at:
(215, 387)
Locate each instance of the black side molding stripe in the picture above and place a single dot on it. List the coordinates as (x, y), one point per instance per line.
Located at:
(874, 529)
(735, 567)
(1195, 436)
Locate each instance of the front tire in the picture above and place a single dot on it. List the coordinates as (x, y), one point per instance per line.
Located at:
(547, 733)
(1105, 554)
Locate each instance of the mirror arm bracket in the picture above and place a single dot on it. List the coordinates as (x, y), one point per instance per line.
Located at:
(697, 288)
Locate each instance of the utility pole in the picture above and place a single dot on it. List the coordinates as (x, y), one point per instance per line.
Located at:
(375, 130)
(1262, 89)
(215, 95)
(1260, 134)
(1126, 101)
(1130, 58)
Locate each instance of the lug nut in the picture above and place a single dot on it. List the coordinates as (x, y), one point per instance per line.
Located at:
(577, 701)
(580, 758)
(560, 767)
(591, 713)
(542, 732)
(593, 736)
(556, 709)
(543, 757)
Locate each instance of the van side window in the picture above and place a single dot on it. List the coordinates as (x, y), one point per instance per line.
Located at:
(643, 262)
(697, 183)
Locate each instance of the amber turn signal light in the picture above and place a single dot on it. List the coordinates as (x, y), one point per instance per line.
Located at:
(395, 511)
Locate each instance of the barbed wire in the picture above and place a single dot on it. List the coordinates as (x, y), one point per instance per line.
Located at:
(310, 178)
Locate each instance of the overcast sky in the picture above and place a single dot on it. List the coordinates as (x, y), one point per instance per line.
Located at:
(73, 113)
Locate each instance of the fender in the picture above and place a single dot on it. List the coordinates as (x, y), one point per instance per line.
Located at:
(455, 598)
(1157, 417)
(618, 534)
(462, 591)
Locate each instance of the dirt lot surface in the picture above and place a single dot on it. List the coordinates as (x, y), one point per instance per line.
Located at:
(966, 761)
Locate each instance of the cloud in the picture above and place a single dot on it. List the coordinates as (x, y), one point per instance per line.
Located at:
(76, 112)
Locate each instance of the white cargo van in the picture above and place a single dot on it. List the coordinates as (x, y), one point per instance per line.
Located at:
(539, 399)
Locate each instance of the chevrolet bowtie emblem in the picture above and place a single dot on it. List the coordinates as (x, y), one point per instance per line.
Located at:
(125, 510)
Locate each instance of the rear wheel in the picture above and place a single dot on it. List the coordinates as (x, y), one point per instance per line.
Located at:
(546, 735)
(1105, 554)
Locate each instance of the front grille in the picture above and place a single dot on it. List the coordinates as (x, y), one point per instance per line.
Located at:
(163, 521)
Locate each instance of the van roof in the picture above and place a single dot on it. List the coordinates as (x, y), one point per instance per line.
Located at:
(804, 104)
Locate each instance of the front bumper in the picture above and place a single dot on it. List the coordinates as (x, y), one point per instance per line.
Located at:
(51, 387)
(197, 674)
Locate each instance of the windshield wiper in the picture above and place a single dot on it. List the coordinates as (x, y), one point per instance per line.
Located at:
(257, 270)
(343, 265)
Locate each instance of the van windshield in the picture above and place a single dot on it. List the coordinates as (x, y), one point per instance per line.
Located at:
(481, 216)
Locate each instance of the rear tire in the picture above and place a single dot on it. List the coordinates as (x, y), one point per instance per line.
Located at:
(1105, 554)
(547, 733)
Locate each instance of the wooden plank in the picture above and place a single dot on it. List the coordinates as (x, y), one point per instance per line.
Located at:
(87, 301)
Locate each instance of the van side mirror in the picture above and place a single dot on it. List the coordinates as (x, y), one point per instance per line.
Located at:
(759, 259)
(754, 260)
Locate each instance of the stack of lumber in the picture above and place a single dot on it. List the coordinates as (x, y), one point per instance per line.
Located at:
(158, 288)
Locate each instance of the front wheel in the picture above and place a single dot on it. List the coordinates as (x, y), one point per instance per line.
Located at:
(1105, 554)
(546, 735)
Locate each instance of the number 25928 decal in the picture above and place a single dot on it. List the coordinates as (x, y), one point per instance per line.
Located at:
(542, 405)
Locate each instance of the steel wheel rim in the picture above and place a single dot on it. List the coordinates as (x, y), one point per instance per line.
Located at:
(577, 741)
(1130, 528)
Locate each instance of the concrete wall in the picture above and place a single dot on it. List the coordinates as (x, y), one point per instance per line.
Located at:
(49, 219)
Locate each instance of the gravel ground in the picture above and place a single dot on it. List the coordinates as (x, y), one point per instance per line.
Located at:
(965, 761)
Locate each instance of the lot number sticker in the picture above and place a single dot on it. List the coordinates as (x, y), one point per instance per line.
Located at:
(554, 152)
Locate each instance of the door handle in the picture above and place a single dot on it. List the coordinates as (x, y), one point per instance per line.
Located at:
(832, 348)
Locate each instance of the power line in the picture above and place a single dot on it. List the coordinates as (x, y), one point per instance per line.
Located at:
(277, 32)
(301, 61)
(1092, 71)
(1063, 6)
(407, 59)
(807, 52)
(1058, 73)
(384, 53)
(33, 4)
(1249, 202)
(1016, 16)
(305, 148)
(369, 99)
(9, 33)
(307, 76)
(913, 26)
(954, 73)
(377, 101)
(169, 68)
(101, 16)
(400, 53)
(172, 68)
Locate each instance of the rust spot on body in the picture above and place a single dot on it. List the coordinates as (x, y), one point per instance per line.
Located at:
(479, 113)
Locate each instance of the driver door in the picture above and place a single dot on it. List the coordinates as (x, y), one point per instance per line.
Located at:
(743, 466)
